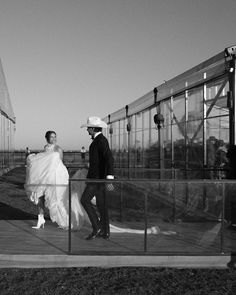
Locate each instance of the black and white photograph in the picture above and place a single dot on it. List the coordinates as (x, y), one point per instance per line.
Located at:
(117, 147)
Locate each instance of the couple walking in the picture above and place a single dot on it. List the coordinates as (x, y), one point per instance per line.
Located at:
(47, 183)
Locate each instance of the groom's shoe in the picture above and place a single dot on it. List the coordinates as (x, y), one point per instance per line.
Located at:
(103, 235)
(93, 234)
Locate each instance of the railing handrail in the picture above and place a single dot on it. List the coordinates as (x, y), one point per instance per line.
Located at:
(172, 169)
(184, 181)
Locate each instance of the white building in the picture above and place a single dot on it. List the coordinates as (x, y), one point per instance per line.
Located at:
(7, 126)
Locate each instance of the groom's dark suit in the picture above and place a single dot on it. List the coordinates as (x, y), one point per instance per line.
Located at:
(100, 165)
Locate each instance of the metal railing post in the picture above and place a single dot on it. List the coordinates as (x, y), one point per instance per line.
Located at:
(222, 220)
(174, 201)
(145, 220)
(69, 232)
(121, 201)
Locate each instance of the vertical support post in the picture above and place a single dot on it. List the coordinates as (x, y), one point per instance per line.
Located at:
(128, 154)
(149, 174)
(145, 220)
(121, 201)
(234, 96)
(135, 146)
(160, 144)
(186, 141)
(172, 143)
(160, 155)
(204, 142)
(8, 144)
(128, 128)
(119, 147)
(231, 100)
(174, 201)
(222, 220)
(143, 153)
(69, 232)
(204, 124)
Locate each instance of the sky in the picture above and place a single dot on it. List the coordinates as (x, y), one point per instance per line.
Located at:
(65, 60)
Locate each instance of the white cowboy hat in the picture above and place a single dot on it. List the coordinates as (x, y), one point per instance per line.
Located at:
(94, 122)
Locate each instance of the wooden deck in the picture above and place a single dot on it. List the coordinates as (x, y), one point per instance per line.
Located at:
(17, 237)
(20, 245)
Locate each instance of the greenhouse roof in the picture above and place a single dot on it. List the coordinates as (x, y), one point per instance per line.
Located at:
(205, 71)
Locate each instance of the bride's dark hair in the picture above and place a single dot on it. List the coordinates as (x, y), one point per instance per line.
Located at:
(48, 133)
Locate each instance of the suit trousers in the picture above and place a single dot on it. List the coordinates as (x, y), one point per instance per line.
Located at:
(98, 190)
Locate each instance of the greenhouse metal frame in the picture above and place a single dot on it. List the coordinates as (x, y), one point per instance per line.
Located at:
(185, 124)
(7, 126)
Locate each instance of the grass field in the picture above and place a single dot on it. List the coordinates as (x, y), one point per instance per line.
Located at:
(117, 281)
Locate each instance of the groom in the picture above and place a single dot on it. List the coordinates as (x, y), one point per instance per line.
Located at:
(100, 167)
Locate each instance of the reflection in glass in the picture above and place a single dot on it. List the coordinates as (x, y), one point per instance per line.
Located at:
(194, 149)
(195, 104)
(179, 211)
(217, 139)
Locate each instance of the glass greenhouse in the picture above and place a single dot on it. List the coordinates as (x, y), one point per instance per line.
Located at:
(7, 126)
(182, 127)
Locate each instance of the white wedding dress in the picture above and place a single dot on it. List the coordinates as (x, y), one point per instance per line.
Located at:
(46, 175)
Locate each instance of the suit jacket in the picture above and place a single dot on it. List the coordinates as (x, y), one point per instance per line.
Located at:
(100, 158)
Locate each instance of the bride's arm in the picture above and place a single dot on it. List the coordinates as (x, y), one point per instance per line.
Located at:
(60, 151)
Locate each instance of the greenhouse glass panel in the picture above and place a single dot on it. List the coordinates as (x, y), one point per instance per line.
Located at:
(179, 145)
(217, 143)
(132, 148)
(115, 142)
(146, 129)
(216, 97)
(195, 104)
(167, 144)
(179, 109)
(167, 112)
(194, 148)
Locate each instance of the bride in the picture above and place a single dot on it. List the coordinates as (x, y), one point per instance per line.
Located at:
(46, 185)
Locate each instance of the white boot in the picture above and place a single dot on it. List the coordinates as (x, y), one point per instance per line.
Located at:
(40, 223)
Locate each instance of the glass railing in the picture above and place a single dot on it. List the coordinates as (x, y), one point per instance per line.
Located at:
(71, 159)
(157, 217)
(147, 173)
(6, 160)
(172, 173)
